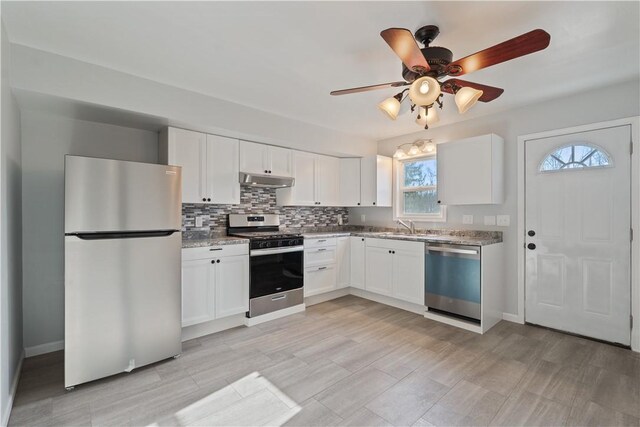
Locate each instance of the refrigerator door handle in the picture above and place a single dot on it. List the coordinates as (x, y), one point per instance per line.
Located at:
(123, 234)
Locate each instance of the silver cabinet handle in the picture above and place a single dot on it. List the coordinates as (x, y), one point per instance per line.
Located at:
(323, 240)
(215, 249)
(321, 250)
(322, 268)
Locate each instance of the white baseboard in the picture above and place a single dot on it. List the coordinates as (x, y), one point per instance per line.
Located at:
(252, 321)
(48, 347)
(206, 328)
(510, 317)
(317, 299)
(382, 299)
(12, 392)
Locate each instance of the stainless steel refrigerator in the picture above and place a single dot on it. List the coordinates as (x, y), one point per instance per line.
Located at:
(122, 266)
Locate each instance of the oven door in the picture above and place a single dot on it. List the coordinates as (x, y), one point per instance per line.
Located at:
(276, 270)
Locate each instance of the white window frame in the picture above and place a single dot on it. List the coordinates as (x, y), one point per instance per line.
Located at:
(398, 191)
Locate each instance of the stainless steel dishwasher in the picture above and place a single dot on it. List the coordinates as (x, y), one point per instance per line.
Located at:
(452, 279)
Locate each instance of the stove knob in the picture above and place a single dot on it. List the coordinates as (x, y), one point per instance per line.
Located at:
(264, 244)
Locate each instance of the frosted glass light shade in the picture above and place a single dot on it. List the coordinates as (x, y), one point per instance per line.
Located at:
(424, 91)
(399, 154)
(414, 150)
(391, 107)
(466, 98)
(432, 116)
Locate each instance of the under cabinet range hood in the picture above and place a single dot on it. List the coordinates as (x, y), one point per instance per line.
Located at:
(265, 181)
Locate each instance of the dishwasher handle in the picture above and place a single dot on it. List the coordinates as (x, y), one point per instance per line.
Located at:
(453, 250)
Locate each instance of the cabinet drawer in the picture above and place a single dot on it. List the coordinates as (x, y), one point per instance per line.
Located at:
(395, 244)
(206, 252)
(318, 280)
(319, 243)
(319, 256)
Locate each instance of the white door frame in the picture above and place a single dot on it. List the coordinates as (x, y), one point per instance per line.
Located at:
(634, 122)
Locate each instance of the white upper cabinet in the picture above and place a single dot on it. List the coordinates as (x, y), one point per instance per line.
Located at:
(316, 181)
(209, 165)
(350, 182)
(471, 171)
(327, 180)
(222, 170)
(376, 181)
(264, 159)
(281, 160)
(187, 149)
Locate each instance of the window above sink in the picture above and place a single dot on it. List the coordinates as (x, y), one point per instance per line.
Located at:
(416, 195)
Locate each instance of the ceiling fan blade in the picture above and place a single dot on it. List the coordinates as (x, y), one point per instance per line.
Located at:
(524, 44)
(489, 93)
(368, 88)
(404, 45)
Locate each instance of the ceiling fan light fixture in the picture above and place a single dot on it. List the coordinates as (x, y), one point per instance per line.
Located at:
(422, 116)
(466, 98)
(432, 116)
(424, 91)
(391, 106)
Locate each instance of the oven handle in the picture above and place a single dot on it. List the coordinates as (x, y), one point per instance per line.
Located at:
(275, 251)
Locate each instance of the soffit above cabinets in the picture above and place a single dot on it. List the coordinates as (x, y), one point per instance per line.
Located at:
(285, 57)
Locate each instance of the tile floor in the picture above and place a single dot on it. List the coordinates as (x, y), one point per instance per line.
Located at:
(352, 361)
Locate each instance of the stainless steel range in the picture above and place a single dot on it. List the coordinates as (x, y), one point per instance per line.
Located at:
(276, 263)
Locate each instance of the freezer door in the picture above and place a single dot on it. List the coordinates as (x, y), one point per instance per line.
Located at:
(122, 304)
(113, 195)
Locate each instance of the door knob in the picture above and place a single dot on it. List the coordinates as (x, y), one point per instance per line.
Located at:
(531, 246)
(531, 233)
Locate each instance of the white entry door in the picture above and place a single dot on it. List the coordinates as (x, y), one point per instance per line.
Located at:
(578, 232)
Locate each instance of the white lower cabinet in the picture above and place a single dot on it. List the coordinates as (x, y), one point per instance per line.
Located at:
(232, 295)
(318, 280)
(379, 270)
(357, 252)
(343, 262)
(395, 268)
(215, 283)
(198, 302)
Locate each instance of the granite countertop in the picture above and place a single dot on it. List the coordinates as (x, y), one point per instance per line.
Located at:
(455, 237)
(195, 239)
(213, 241)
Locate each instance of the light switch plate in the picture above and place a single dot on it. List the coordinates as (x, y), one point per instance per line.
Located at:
(503, 220)
(490, 220)
(363, 218)
(198, 221)
(467, 219)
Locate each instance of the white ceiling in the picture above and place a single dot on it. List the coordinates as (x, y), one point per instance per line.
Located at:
(285, 57)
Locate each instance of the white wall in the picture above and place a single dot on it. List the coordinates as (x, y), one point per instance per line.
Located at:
(612, 102)
(45, 141)
(62, 77)
(11, 348)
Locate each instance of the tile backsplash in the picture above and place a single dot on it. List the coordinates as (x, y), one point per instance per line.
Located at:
(257, 201)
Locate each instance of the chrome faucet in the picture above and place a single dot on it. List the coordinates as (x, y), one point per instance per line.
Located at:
(411, 227)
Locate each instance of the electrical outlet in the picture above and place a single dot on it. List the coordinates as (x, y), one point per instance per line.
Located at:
(503, 220)
(363, 218)
(490, 220)
(198, 221)
(467, 219)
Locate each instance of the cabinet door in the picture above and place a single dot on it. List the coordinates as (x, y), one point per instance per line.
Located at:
(327, 180)
(232, 285)
(197, 292)
(379, 270)
(357, 250)
(318, 280)
(303, 190)
(281, 161)
(408, 275)
(188, 150)
(343, 262)
(253, 158)
(349, 182)
(376, 181)
(223, 186)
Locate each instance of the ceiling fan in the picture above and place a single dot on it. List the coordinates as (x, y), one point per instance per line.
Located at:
(422, 69)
